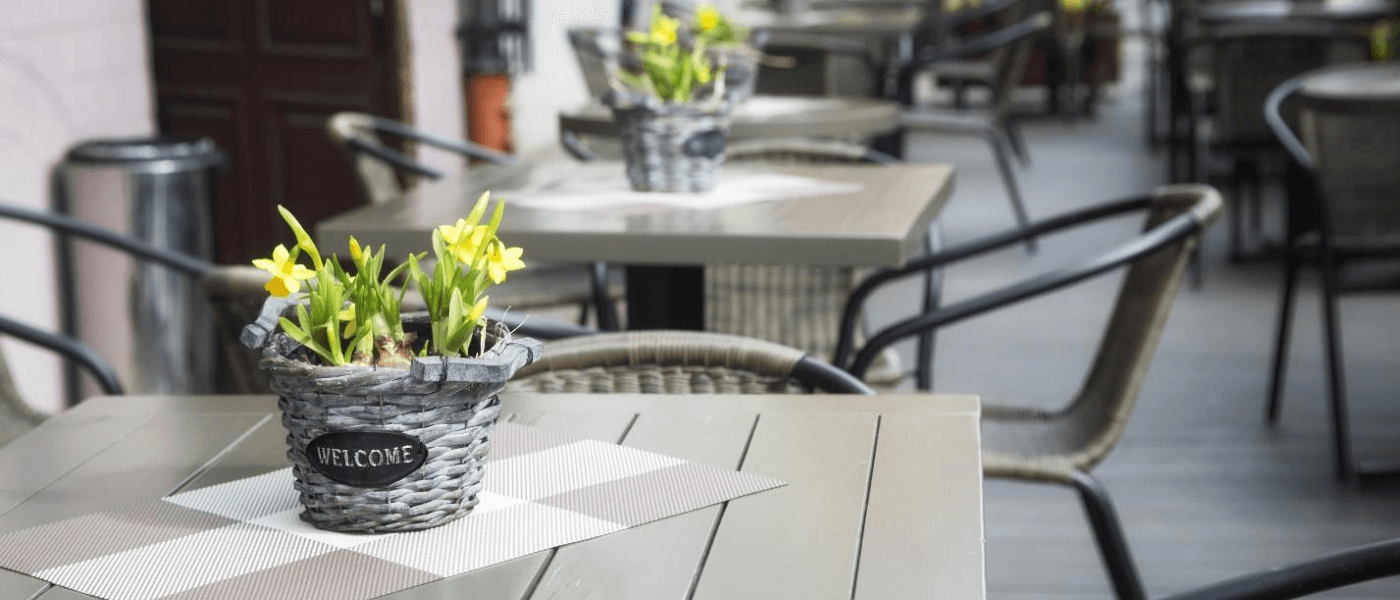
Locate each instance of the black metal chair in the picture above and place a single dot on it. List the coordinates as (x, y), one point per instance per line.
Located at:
(587, 286)
(1335, 570)
(1343, 211)
(1060, 446)
(16, 415)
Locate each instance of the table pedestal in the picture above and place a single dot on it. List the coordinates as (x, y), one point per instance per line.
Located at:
(665, 297)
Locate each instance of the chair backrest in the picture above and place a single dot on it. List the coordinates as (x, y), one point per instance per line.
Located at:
(795, 305)
(235, 295)
(1016, 39)
(359, 134)
(1155, 262)
(678, 362)
(1350, 147)
(1251, 59)
(377, 177)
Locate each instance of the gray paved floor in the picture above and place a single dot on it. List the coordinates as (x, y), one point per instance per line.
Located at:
(1205, 489)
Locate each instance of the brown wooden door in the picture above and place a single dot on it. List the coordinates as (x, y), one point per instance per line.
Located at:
(260, 77)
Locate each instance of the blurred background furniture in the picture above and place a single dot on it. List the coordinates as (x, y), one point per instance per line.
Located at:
(233, 293)
(16, 415)
(1345, 213)
(1062, 445)
(1249, 60)
(679, 362)
(586, 286)
(800, 305)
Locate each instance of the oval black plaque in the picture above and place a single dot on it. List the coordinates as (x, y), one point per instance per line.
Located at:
(366, 458)
(705, 144)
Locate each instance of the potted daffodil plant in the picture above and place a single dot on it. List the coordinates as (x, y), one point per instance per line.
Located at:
(389, 412)
(671, 107)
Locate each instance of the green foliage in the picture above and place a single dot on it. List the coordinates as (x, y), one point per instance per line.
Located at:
(355, 318)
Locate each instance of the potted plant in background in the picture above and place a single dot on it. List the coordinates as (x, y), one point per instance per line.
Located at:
(671, 109)
(389, 415)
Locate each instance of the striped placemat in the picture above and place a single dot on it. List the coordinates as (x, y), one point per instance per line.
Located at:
(243, 539)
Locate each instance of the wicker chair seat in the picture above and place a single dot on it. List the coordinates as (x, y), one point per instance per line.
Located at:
(1040, 445)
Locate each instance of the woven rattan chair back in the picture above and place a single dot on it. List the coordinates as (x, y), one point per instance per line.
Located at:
(793, 305)
(1051, 445)
(235, 296)
(1356, 161)
(678, 362)
(377, 178)
(1250, 60)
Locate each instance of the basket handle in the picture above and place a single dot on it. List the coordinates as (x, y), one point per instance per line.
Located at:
(255, 335)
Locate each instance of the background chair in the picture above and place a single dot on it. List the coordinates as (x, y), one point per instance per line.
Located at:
(1305, 578)
(1249, 61)
(233, 293)
(16, 415)
(1061, 445)
(587, 287)
(679, 362)
(1344, 210)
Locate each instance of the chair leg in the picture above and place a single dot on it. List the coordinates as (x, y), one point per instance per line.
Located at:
(1282, 337)
(933, 291)
(1008, 178)
(1108, 533)
(1012, 131)
(602, 300)
(1341, 434)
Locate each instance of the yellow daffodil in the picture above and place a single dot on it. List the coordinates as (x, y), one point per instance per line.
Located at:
(357, 254)
(287, 275)
(477, 310)
(1073, 6)
(463, 241)
(663, 28)
(502, 260)
(707, 17)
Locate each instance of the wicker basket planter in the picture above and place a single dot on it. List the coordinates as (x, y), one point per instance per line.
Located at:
(382, 450)
(671, 147)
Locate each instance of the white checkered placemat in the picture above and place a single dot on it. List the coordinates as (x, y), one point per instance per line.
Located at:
(733, 188)
(243, 539)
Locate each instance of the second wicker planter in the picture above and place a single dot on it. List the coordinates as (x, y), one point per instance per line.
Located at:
(672, 147)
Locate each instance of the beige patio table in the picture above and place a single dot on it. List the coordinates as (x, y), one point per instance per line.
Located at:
(883, 496)
(879, 220)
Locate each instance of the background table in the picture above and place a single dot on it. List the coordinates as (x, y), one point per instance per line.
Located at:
(772, 117)
(1267, 10)
(883, 497)
(882, 225)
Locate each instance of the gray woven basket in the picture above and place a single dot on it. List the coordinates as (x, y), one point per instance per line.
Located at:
(671, 147)
(449, 405)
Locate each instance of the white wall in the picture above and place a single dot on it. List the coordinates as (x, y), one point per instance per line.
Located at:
(555, 82)
(436, 76)
(69, 70)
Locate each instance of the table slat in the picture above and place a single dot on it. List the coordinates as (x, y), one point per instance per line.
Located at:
(799, 541)
(514, 579)
(263, 450)
(919, 541)
(148, 463)
(658, 560)
(35, 460)
(19, 585)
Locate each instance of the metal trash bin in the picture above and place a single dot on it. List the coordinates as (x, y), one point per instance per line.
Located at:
(166, 189)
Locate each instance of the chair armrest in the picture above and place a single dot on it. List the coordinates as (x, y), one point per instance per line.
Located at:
(1034, 25)
(464, 148)
(82, 354)
(1331, 571)
(65, 224)
(395, 158)
(1169, 232)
